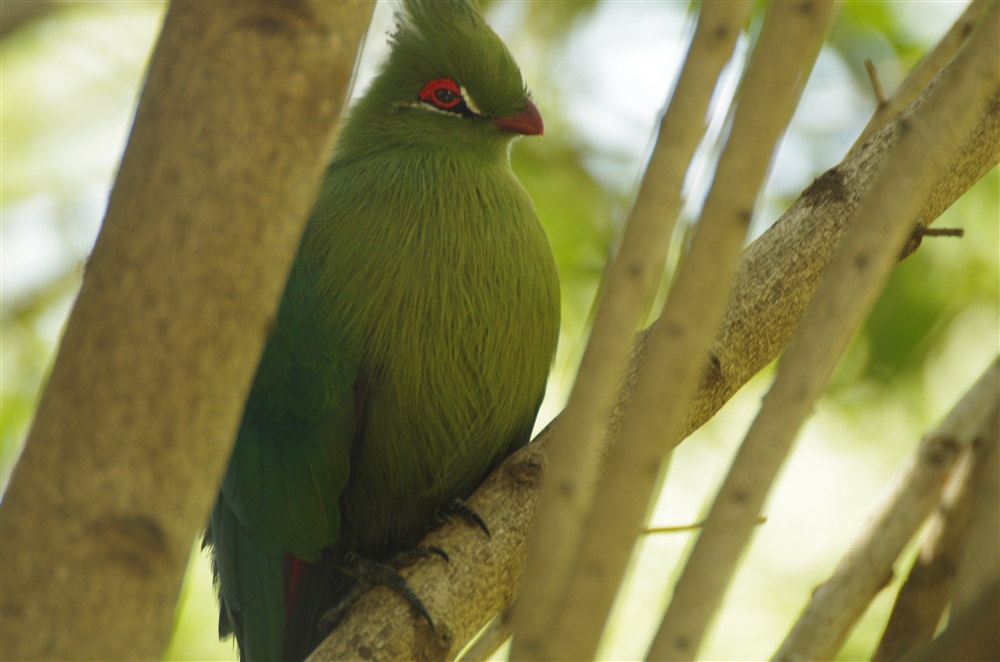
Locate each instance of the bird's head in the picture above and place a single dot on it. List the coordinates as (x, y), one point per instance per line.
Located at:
(448, 77)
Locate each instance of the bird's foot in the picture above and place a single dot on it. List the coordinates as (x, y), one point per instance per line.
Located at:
(458, 508)
(418, 553)
(369, 573)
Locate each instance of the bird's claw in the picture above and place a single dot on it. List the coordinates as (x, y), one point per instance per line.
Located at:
(371, 573)
(461, 509)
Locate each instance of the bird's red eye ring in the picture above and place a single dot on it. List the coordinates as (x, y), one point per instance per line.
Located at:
(442, 92)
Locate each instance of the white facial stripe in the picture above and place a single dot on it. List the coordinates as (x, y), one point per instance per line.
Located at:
(431, 107)
(469, 103)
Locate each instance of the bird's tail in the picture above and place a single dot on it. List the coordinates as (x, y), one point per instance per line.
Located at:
(247, 575)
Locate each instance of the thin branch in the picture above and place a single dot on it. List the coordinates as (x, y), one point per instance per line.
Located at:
(921, 75)
(924, 596)
(631, 281)
(971, 635)
(678, 350)
(137, 420)
(981, 565)
(845, 294)
(877, 88)
(866, 568)
(684, 528)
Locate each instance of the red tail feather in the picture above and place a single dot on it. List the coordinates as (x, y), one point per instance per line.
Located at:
(294, 570)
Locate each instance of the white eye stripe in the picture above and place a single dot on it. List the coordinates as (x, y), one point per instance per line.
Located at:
(430, 107)
(469, 103)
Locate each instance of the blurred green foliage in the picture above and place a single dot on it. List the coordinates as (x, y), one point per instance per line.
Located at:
(600, 71)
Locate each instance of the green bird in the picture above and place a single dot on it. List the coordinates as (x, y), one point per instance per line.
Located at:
(413, 340)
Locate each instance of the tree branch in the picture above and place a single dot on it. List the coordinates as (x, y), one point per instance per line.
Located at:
(631, 282)
(677, 354)
(136, 424)
(924, 596)
(921, 75)
(866, 567)
(847, 290)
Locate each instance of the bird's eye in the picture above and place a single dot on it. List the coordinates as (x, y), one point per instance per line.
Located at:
(442, 92)
(445, 97)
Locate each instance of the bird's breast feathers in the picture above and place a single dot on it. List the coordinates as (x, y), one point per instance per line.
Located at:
(451, 302)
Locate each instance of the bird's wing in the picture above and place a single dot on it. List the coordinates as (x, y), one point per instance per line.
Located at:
(291, 461)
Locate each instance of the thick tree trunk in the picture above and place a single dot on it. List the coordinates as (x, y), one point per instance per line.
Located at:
(137, 421)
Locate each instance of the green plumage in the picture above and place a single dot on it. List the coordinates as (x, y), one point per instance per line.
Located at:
(412, 343)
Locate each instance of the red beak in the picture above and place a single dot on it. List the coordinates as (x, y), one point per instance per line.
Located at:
(527, 122)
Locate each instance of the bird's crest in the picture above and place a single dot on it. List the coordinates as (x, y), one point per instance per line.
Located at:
(438, 39)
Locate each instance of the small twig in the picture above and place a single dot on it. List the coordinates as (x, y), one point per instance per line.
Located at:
(921, 231)
(876, 83)
(924, 72)
(683, 528)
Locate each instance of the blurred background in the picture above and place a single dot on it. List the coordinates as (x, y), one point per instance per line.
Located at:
(600, 71)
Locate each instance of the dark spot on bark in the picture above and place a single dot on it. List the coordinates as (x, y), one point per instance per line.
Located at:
(740, 496)
(135, 542)
(566, 488)
(526, 474)
(943, 451)
(861, 261)
(828, 187)
(635, 270)
(682, 642)
(714, 364)
(283, 19)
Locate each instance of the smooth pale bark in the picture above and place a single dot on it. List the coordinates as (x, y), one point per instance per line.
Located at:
(136, 423)
(629, 288)
(677, 353)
